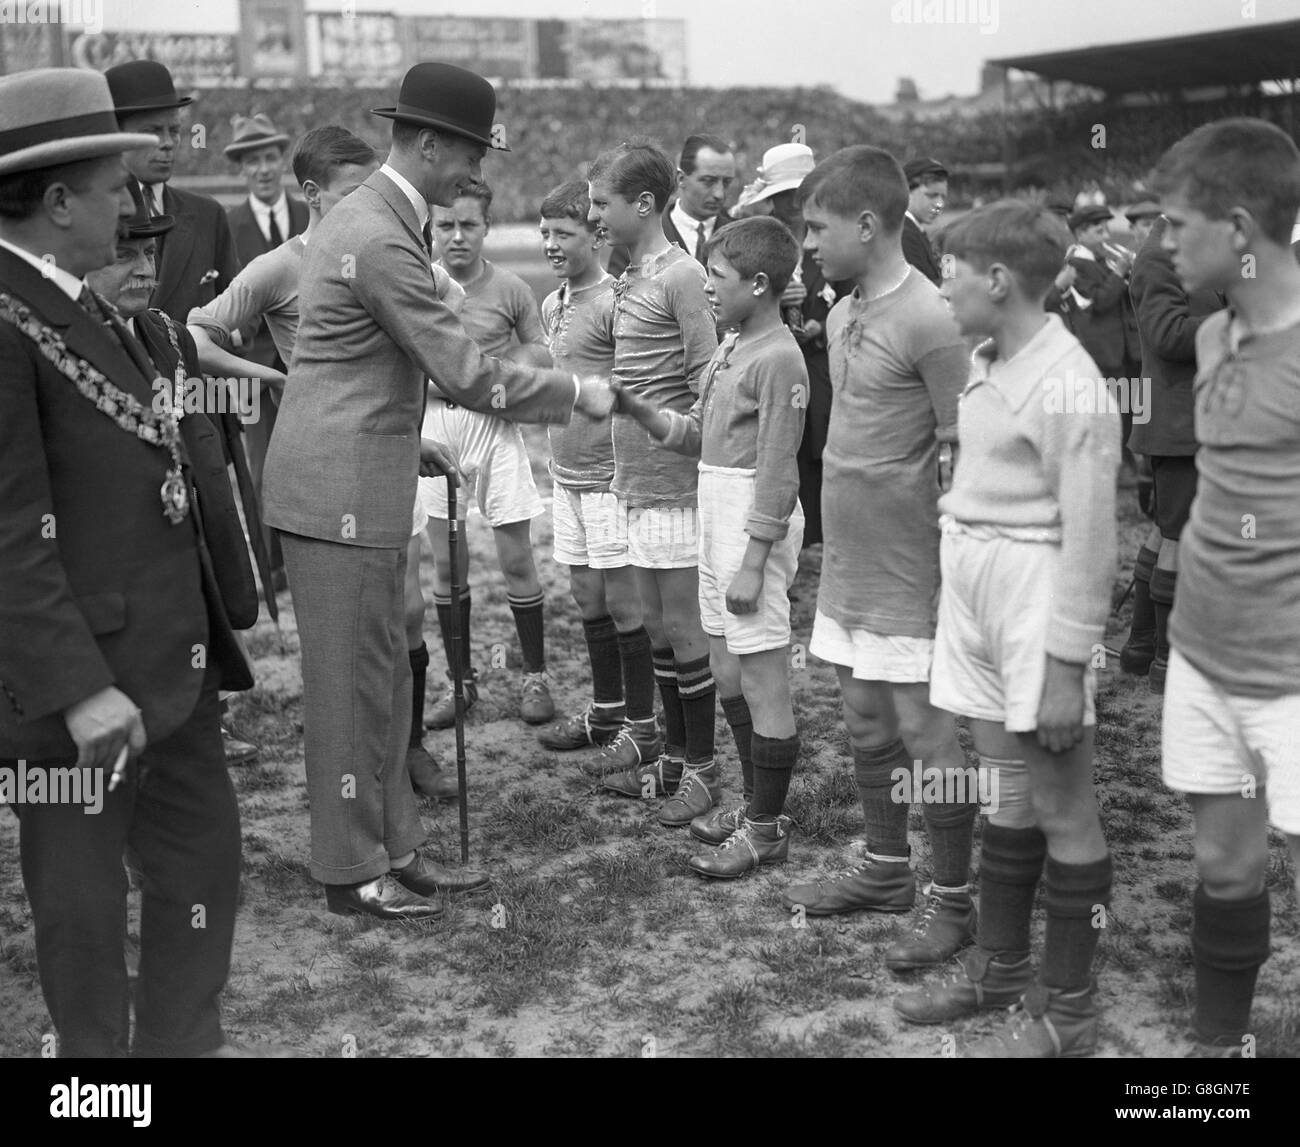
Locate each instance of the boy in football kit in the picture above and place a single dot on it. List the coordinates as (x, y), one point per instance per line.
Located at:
(664, 336)
(1028, 558)
(897, 367)
(498, 308)
(1231, 191)
(590, 528)
(745, 428)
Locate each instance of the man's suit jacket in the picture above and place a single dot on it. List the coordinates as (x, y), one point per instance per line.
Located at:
(249, 244)
(1168, 319)
(1107, 328)
(619, 259)
(97, 588)
(343, 462)
(199, 244)
(919, 251)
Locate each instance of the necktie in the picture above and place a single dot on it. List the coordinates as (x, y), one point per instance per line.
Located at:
(155, 199)
(700, 243)
(427, 232)
(274, 237)
(87, 299)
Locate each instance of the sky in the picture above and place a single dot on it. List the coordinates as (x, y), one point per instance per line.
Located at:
(860, 47)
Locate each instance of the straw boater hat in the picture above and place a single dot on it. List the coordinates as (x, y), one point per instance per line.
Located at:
(50, 116)
(253, 133)
(783, 169)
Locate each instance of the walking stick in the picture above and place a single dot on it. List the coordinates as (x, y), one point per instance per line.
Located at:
(457, 674)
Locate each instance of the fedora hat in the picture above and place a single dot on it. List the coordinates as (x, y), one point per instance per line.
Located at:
(50, 116)
(783, 169)
(143, 86)
(142, 224)
(449, 98)
(252, 133)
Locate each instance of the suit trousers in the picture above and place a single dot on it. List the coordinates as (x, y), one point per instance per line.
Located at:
(177, 816)
(356, 688)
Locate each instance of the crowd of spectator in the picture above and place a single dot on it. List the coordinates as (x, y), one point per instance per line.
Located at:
(553, 132)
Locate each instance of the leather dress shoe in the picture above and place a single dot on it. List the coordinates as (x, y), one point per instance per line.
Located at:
(237, 750)
(427, 778)
(230, 1050)
(383, 897)
(427, 877)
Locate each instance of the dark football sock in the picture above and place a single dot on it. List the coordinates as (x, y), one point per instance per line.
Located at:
(443, 607)
(529, 625)
(1076, 897)
(606, 664)
(774, 760)
(699, 707)
(951, 828)
(419, 675)
(885, 818)
(1011, 863)
(1144, 618)
(1162, 600)
(1229, 945)
(736, 710)
(666, 678)
(638, 674)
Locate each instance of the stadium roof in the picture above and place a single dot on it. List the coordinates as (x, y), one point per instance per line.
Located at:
(1242, 55)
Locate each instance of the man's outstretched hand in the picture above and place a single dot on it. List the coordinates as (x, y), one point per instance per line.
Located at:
(436, 461)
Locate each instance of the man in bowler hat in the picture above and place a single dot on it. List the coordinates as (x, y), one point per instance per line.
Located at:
(115, 628)
(340, 481)
(197, 259)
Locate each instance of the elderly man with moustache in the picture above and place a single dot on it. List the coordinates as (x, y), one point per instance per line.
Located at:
(340, 481)
(115, 629)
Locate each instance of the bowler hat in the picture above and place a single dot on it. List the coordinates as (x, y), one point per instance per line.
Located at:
(252, 133)
(926, 170)
(449, 98)
(1145, 209)
(143, 86)
(783, 169)
(1086, 216)
(51, 116)
(142, 224)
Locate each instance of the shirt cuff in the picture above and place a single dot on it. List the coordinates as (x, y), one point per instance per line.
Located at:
(1073, 641)
(767, 529)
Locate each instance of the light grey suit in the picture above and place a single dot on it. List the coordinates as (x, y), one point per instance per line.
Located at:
(340, 485)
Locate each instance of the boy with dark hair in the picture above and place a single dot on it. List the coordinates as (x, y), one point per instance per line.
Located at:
(590, 530)
(927, 195)
(897, 367)
(1231, 191)
(1028, 556)
(499, 308)
(745, 428)
(665, 335)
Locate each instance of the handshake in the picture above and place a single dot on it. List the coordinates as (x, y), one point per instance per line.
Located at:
(597, 397)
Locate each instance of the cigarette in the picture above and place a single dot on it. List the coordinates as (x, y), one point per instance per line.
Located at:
(119, 767)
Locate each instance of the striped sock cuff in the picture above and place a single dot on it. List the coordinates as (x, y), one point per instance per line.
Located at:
(532, 601)
(665, 665)
(694, 677)
(444, 599)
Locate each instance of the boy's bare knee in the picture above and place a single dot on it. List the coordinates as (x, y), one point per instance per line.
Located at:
(1230, 873)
